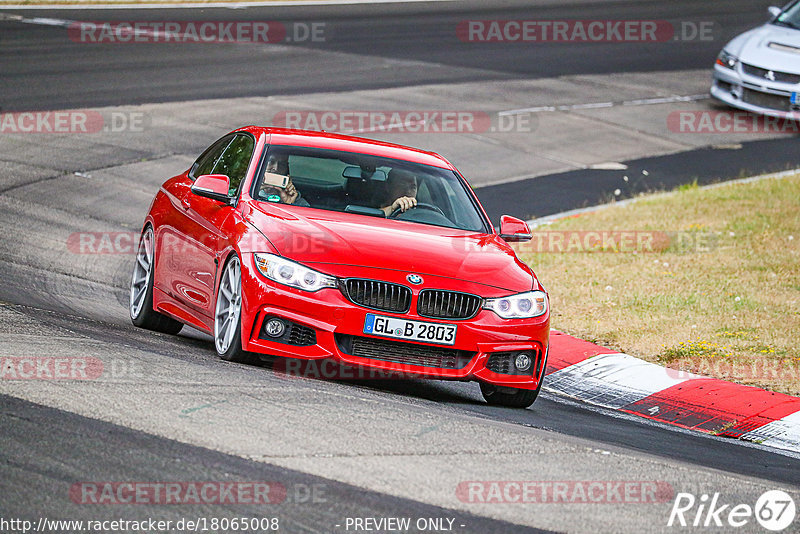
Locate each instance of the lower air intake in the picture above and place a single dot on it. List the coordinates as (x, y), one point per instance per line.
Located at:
(405, 353)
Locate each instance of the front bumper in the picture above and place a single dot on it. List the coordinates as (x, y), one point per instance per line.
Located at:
(741, 90)
(335, 321)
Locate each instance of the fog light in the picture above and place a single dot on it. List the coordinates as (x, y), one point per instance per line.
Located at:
(274, 328)
(523, 361)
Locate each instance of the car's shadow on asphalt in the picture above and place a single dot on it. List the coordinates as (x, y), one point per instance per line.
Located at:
(451, 392)
(433, 390)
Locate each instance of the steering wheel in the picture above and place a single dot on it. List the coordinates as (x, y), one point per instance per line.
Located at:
(420, 205)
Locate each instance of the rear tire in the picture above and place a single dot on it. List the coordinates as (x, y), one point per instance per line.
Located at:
(141, 295)
(228, 315)
(509, 397)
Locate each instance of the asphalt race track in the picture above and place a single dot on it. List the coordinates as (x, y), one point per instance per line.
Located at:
(419, 38)
(166, 409)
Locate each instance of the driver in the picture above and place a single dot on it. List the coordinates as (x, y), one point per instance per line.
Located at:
(401, 192)
(279, 164)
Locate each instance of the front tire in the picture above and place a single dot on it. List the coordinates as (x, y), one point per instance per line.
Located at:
(509, 397)
(228, 315)
(141, 295)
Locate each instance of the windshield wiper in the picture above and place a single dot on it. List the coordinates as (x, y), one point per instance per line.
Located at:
(364, 210)
(786, 23)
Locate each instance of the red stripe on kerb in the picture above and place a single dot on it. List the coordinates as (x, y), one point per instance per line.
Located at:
(715, 406)
(567, 350)
(785, 405)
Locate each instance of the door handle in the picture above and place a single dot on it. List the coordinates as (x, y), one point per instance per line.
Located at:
(185, 203)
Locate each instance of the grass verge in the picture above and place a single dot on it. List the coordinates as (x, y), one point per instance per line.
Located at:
(705, 280)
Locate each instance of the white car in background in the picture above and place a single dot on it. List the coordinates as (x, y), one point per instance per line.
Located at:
(759, 70)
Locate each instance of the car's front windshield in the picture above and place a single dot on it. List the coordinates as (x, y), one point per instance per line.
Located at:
(367, 185)
(789, 17)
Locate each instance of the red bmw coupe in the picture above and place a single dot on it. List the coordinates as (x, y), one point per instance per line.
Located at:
(317, 246)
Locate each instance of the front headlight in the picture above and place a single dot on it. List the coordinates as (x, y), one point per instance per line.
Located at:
(729, 61)
(292, 274)
(522, 305)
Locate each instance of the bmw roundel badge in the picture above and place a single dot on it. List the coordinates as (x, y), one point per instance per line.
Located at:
(414, 279)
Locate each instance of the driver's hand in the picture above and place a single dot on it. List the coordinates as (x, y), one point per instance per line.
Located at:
(291, 194)
(403, 204)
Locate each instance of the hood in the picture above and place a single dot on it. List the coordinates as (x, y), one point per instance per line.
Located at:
(315, 236)
(758, 47)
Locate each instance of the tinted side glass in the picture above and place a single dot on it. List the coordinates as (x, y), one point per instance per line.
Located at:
(234, 161)
(205, 163)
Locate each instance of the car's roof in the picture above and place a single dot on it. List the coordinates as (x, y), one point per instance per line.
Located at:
(347, 143)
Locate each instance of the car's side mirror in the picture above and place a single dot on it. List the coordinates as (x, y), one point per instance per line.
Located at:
(513, 229)
(774, 11)
(213, 186)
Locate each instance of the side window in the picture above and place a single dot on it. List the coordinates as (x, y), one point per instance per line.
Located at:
(235, 159)
(205, 163)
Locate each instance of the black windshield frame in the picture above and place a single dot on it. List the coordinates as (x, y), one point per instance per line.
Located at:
(466, 197)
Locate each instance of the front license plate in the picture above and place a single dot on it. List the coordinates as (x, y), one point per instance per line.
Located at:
(442, 334)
